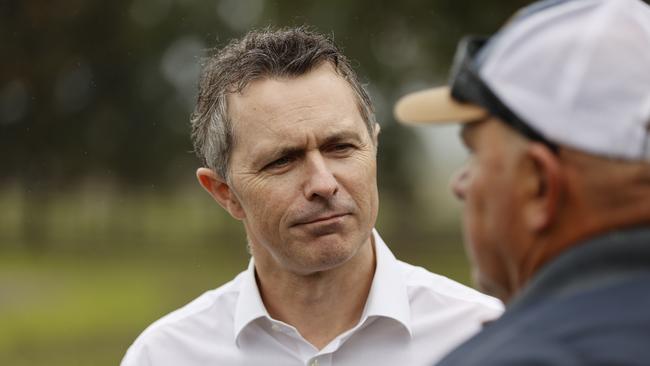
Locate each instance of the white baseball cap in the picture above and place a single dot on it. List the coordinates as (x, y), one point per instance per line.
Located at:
(573, 73)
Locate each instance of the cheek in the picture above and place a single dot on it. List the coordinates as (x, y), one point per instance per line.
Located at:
(265, 201)
(488, 222)
(360, 181)
(479, 213)
(489, 198)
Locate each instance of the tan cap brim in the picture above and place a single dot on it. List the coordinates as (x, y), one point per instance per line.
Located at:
(435, 106)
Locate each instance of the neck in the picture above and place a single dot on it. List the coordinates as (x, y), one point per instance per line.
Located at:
(570, 231)
(597, 195)
(324, 304)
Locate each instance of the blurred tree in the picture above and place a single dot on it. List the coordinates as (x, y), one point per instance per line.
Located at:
(104, 89)
(92, 88)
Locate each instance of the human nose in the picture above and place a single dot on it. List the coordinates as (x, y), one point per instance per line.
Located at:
(459, 183)
(320, 180)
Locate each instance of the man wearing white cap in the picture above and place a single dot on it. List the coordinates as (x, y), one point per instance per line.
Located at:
(556, 116)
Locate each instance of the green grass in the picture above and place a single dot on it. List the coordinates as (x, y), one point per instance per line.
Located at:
(58, 311)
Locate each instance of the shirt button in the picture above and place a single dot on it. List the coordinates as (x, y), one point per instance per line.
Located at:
(275, 327)
(314, 362)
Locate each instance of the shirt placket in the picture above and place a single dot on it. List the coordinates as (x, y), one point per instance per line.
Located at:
(320, 360)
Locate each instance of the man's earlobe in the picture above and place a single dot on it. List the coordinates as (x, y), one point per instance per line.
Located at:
(219, 189)
(545, 187)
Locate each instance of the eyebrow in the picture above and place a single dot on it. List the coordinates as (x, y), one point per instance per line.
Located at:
(342, 136)
(288, 150)
(265, 156)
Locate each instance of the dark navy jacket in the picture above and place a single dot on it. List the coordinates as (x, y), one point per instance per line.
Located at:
(590, 306)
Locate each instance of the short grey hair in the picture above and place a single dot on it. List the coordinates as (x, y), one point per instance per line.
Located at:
(267, 53)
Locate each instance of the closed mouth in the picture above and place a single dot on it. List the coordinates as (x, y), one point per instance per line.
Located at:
(321, 219)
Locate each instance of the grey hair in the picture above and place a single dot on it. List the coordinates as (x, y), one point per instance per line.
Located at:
(287, 52)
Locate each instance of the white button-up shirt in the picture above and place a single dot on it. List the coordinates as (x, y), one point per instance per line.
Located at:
(411, 317)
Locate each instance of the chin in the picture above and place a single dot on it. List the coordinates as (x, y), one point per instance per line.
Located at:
(325, 252)
(324, 259)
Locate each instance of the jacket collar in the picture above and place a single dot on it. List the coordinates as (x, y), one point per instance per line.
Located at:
(595, 262)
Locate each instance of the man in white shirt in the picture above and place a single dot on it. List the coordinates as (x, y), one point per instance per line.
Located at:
(288, 139)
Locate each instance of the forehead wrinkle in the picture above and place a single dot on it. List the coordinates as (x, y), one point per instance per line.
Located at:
(323, 117)
(284, 121)
(276, 98)
(311, 140)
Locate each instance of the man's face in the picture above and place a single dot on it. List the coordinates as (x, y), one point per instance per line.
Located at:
(303, 169)
(487, 185)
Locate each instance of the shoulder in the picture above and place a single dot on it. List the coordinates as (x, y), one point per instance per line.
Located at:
(211, 313)
(582, 328)
(222, 300)
(443, 312)
(433, 290)
(520, 349)
(441, 291)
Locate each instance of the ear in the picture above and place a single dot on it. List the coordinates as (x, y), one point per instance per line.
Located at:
(544, 186)
(219, 189)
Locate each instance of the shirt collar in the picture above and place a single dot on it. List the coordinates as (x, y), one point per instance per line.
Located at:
(249, 303)
(388, 297)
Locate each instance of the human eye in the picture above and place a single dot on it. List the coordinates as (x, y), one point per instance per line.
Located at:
(341, 148)
(279, 163)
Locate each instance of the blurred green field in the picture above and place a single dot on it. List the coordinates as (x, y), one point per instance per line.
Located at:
(105, 265)
(79, 311)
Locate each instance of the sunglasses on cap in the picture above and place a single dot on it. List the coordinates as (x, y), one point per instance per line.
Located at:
(467, 86)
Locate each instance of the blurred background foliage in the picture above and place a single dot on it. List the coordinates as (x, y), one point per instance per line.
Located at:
(103, 228)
